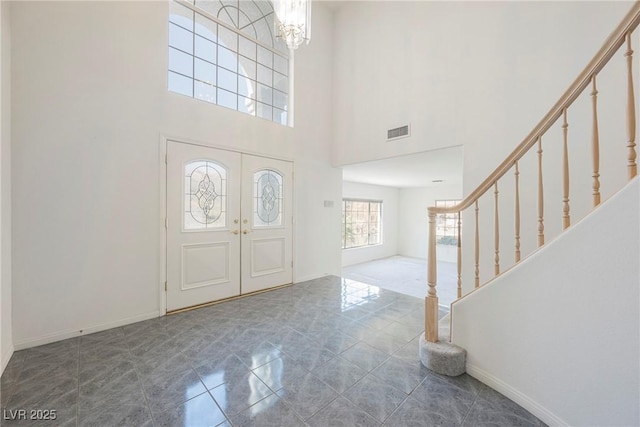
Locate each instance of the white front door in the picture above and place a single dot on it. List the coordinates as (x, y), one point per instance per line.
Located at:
(267, 223)
(203, 230)
(229, 224)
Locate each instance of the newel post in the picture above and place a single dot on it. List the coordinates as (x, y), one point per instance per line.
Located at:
(431, 301)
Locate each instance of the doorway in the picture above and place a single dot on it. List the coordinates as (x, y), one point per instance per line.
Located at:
(229, 224)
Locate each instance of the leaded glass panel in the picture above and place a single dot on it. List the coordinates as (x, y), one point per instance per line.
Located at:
(267, 198)
(205, 197)
(220, 50)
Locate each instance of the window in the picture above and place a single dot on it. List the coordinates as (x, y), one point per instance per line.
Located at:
(361, 223)
(447, 224)
(267, 198)
(205, 198)
(226, 53)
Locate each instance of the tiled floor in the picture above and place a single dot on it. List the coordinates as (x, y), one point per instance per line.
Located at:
(407, 276)
(328, 352)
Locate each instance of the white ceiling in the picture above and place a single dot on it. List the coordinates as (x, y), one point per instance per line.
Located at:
(410, 171)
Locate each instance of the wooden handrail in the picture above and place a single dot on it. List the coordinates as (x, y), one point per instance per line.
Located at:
(616, 39)
(610, 47)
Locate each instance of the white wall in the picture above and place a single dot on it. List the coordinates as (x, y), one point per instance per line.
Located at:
(559, 334)
(504, 64)
(389, 245)
(317, 235)
(413, 228)
(89, 107)
(6, 340)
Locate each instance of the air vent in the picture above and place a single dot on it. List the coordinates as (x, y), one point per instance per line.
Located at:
(396, 133)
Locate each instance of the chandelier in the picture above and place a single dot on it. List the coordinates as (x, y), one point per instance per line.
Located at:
(293, 21)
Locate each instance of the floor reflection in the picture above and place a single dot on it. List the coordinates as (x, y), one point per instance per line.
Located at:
(356, 294)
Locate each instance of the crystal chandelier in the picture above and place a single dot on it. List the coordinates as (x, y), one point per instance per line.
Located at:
(293, 21)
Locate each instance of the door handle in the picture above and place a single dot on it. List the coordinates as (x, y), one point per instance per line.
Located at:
(245, 232)
(235, 232)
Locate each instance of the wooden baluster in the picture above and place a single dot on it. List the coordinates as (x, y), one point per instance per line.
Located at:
(566, 219)
(517, 221)
(540, 196)
(631, 112)
(595, 143)
(477, 247)
(431, 301)
(459, 255)
(496, 229)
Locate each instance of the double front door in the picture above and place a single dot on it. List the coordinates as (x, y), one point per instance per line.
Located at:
(229, 224)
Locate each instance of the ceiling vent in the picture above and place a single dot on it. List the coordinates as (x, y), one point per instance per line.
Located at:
(400, 132)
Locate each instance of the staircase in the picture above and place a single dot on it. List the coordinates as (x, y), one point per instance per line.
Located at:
(498, 320)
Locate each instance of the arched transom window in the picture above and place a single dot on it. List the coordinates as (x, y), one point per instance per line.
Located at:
(225, 52)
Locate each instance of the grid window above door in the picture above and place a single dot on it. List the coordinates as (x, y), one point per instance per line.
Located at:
(226, 53)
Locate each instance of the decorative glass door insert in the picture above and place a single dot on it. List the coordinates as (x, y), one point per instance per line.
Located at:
(267, 198)
(205, 195)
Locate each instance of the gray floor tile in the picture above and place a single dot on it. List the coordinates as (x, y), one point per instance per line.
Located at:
(465, 382)
(49, 370)
(219, 371)
(272, 359)
(443, 400)
(202, 349)
(98, 374)
(6, 391)
(342, 413)
(272, 411)
(500, 404)
(99, 351)
(143, 328)
(61, 350)
(409, 352)
(110, 390)
(164, 392)
(358, 330)
(376, 321)
(413, 414)
(141, 343)
(154, 364)
(281, 372)
(239, 393)
(414, 320)
(365, 356)
(258, 354)
(307, 395)
(485, 413)
(339, 374)
(401, 374)
(199, 411)
(44, 395)
(375, 397)
(403, 331)
(312, 357)
(124, 414)
(355, 313)
(336, 342)
(384, 342)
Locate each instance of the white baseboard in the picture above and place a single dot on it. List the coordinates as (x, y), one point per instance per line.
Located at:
(310, 277)
(521, 399)
(59, 336)
(5, 357)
